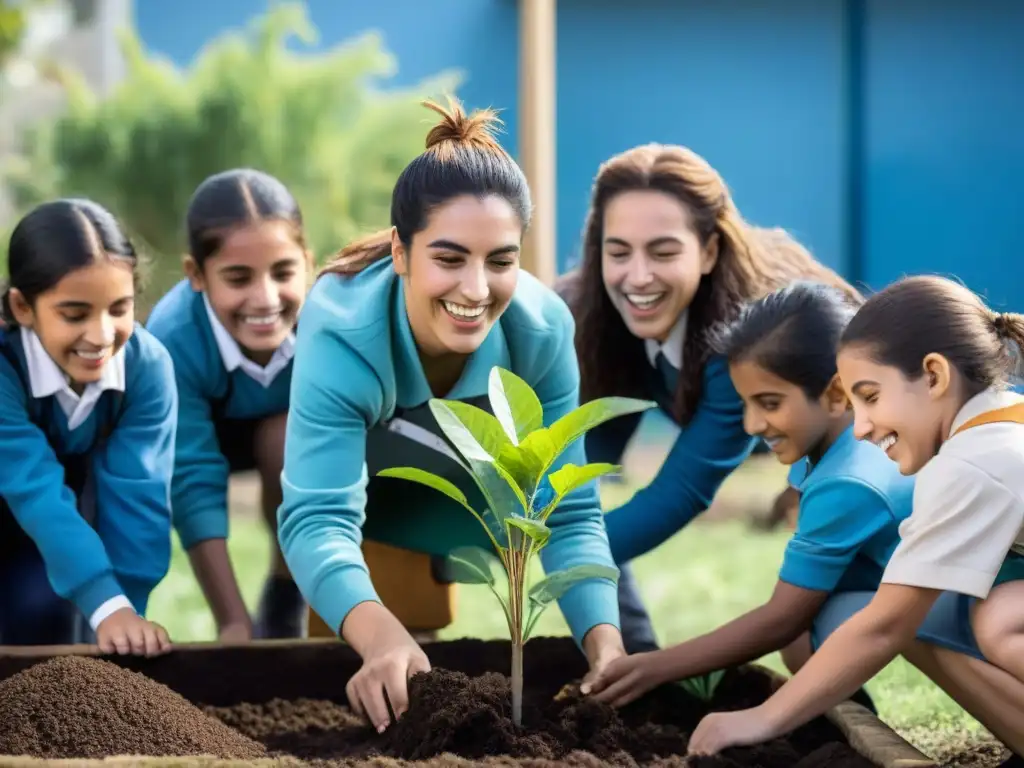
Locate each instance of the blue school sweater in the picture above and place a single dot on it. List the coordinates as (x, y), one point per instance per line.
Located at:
(356, 363)
(707, 450)
(852, 502)
(129, 551)
(199, 493)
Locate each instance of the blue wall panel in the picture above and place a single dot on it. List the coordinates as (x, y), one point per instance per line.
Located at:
(476, 37)
(756, 88)
(944, 131)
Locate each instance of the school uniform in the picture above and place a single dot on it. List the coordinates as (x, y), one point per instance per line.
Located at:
(223, 398)
(852, 501)
(707, 450)
(966, 534)
(360, 404)
(84, 491)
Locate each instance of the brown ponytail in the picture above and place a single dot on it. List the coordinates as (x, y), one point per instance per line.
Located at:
(462, 157)
(925, 314)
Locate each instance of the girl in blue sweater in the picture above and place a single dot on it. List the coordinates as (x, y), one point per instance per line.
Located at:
(229, 327)
(666, 255)
(88, 413)
(425, 309)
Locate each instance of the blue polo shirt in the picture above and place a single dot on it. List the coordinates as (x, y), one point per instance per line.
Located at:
(851, 505)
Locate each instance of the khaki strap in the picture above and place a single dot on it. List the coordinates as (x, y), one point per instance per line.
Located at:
(1012, 413)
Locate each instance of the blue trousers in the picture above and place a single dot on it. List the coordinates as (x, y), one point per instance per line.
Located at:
(637, 630)
(31, 613)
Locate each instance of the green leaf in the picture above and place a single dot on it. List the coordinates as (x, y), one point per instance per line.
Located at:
(589, 415)
(423, 477)
(476, 434)
(515, 404)
(449, 489)
(558, 583)
(703, 687)
(545, 592)
(473, 565)
(503, 496)
(569, 477)
(537, 531)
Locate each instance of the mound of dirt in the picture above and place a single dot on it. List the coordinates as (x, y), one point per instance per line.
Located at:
(77, 707)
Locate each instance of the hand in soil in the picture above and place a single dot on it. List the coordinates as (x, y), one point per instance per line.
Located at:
(235, 634)
(124, 632)
(625, 679)
(721, 730)
(386, 672)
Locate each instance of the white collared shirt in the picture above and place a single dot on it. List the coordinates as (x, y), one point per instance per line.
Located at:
(233, 358)
(46, 378)
(672, 347)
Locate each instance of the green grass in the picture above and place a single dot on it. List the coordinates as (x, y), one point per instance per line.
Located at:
(688, 585)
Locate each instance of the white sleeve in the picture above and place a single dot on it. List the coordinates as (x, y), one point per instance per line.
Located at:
(963, 524)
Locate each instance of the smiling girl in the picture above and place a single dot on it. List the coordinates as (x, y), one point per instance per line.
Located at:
(666, 255)
(229, 327)
(425, 309)
(925, 364)
(781, 356)
(88, 415)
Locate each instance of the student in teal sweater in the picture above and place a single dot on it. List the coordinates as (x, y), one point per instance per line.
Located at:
(666, 255)
(88, 413)
(229, 327)
(425, 309)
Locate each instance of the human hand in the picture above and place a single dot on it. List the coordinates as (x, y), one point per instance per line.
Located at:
(721, 730)
(124, 632)
(626, 679)
(386, 671)
(235, 633)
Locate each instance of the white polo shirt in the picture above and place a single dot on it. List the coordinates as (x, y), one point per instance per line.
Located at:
(968, 506)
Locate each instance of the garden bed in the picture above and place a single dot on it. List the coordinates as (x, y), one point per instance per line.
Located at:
(284, 702)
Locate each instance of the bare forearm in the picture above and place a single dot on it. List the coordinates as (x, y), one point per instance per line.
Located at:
(855, 653)
(212, 567)
(746, 639)
(370, 626)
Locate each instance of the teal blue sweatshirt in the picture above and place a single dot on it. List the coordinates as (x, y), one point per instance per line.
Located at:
(129, 551)
(356, 365)
(199, 495)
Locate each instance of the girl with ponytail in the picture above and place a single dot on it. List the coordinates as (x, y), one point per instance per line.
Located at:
(926, 366)
(666, 256)
(425, 309)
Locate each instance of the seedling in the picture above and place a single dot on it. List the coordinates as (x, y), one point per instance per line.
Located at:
(508, 455)
(703, 686)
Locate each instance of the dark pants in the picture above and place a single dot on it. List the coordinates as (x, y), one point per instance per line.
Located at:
(281, 613)
(637, 630)
(607, 443)
(31, 612)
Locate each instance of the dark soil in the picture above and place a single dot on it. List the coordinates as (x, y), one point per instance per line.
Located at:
(452, 714)
(82, 707)
(87, 708)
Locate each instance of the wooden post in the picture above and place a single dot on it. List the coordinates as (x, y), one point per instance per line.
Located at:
(537, 132)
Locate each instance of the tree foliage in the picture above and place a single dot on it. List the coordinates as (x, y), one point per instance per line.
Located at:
(320, 122)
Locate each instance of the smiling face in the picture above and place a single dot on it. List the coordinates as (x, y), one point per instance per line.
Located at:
(792, 424)
(907, 418)
(652, 260)
(85, 319)
(460, 273)
(256, 283)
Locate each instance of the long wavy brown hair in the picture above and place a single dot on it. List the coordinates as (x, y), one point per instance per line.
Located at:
(751, 262)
